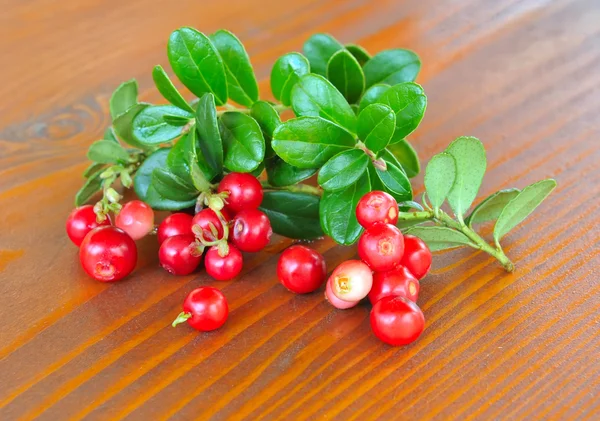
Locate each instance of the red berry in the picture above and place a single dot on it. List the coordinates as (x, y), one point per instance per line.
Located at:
(376, 206)
(223, 268)
(81, 221)
(394, 283)
(301, 269)
(251, 230)
(175, 224)
(136, 218)
(335, 301)
(177, 255)
(245, 191)
(205, 309)
(207, 216)
(351, 281)
(381, 247)
(108, 254)
(397, 320)
(417, 257)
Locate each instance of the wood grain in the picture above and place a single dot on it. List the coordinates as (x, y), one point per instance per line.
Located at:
(524, 76)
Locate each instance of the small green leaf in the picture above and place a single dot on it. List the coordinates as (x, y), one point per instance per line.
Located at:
(309, 142)
(123, 98)
(469, 155)
(91, 186)
(180, 159)
(343, 169)
(395, 181)
(281, 174)
(315, 96)
(392, 67)
(107, 152)
(201, 172)
(197, 63)
(170, 186)
(439, 178)
(376, 124)
(406, 156)
(521, 206)
(293, 215)
(491, 207)
(338, 212)
(168, 90)
(209, 135)
(243, 142)
(150, 127)
(439, 238)
(241, 82)
(286, 72)
(176, 120)
(123, 125)
(345, 73)
(360, 54)
(409, 103)
(109, 134)
(318, 49)
(93, 169)
(372, 95)
(376, 183)
(259, 170)
(268, 119)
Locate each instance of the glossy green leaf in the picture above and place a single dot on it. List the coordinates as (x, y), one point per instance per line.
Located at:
(176, 120)
(338, 212)
(243, 142)
(286, 72)
(360, 54)
(268, 119)
(343, 169)
(521, 206)
(197, 63)
(170, 186)
(93, 169)
(123, 98)
(372, 95)
(439, 238)
(469, 155)
(259, 170)
(392, 67)
(109, 134)
(123, 125)
(107, 152)
(182, 159)
(209, 135)
(318, 49)
(168, 90)
(439, 178)
(406, 156)
(91, 186)
(376, 125)
(280, 173)
(491, 207)
(150, 127)
(409, 103)
(309, 142)
(345, 73)
(395, 181)
(315, 96)
(241, 82)
(293, 215)
(376, 183)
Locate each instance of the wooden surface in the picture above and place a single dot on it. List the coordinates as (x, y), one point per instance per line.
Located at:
(523, 75)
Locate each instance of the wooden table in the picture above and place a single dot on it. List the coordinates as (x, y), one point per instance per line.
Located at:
(524, 76)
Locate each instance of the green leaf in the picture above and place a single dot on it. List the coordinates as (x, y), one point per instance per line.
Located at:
(408, 102)
(439, 178)
(345, 73)
(439, 238)
(343, 169)
(281, 174)
(93, 169)
(241, 82)
(376, 183)
(123, 98)
(150, 127)
(338, 212)
(176, 120)
(91, 186)
(406, 156)
(209, 135)
(286, 72)
(293, 215)
(392, 67)
(259, 170)
(395, 181)
(168, 90)
(521, 206)
(318, 49)
(491, 207)
(123, 125)
(376, 125)
(372, 95)
(197, 63)
(268, 119)
(107, 152)
(309, 142)
(360, 54)
(170, 186)
(315, 96)
(243, 141)
(181, 158)
(469, 155)
(109, 134)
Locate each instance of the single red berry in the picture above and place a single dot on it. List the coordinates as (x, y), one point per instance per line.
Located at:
(175, 224)
(417, 256)
(108, 254)
(397, 321)
(381, 247)
(301, 269)
(204, 309)
(177, 255)
(245, 191)
(335, 301)
(223, 268)
(81, 221)
(351, 281)
(394, 283)
(207, 216)
(136, 218)
(251, 230)
(377, 206)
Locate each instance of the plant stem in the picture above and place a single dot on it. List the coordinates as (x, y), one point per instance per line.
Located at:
(295, 188)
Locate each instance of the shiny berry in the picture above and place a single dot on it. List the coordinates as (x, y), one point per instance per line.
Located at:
(301, 269)
(417, 257)
(351, 281)
(81, 221)
(376, 206)
(381, 247)
(394, 283)
(244, 191)
(175, 224)
(397, 321)
(177, 255)
(335, 301)
(251, 230)
(136, 218)
(204, 309)
(108, 254)
(223, 268)
(205, 218)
